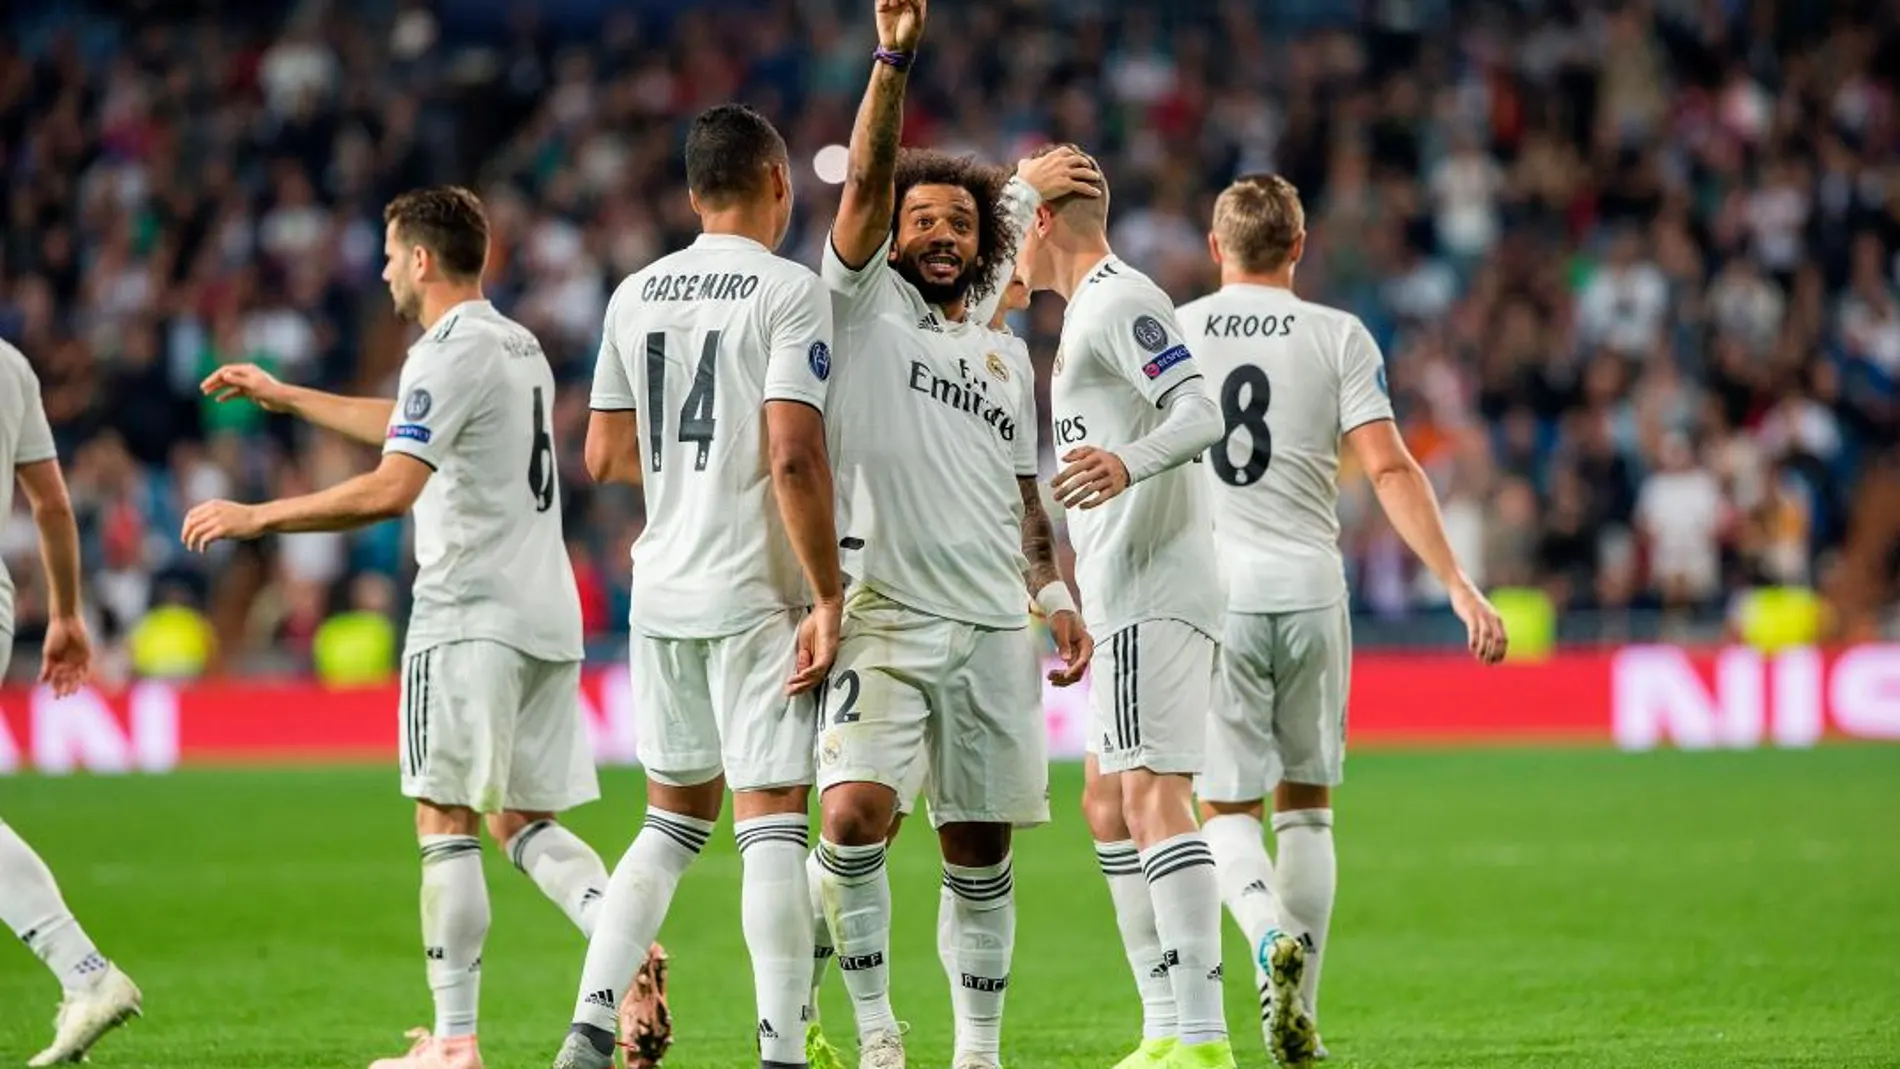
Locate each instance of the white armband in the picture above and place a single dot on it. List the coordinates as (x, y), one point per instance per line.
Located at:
(1055, 598)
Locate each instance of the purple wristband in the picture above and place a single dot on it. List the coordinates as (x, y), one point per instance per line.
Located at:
(893, 58)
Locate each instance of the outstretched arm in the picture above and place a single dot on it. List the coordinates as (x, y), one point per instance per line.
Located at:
(365, 419)
(865, 206)
(382, 494)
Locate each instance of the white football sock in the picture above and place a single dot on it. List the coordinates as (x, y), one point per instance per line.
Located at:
(638, 895)
(565, 869)
(454, 925)
(1135, 916)
(1245, 873)
(858, 907)
(776, 906)
(1309, 877)
(1180, 873)
(31, 906)
(822, 948)
(976, 936)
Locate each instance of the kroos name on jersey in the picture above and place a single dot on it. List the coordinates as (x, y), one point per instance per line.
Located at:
(717, 286)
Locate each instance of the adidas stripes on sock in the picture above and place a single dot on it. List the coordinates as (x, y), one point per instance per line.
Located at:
(976, 937)
(1135, 916)
(858, 906)
(638, 896)
(454, 925)
(566, 869)
(1308, 880)
(1180, 873)
(776, 908)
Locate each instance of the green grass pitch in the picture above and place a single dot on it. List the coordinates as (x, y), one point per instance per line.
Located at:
(1501, 908)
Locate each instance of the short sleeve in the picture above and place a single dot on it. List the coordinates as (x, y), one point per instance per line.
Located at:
(435, 401)
(1363, 397)
(856, 283)
(35, 440)
(613, 390)
(798, 341)
(1143, 340)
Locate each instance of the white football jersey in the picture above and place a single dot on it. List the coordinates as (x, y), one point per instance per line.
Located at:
(25, 438)
(1292, 377)
(697, 342)
(935, 422)
(477, 405)
(1149, 554)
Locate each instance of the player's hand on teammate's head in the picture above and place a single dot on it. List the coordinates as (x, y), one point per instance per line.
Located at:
(900, 24)
(817, 645)
(1061, 172)
(1093, 477)
(1075, 645)
(65, 655)
(213, 520)
(1484, 628)
(248, 381)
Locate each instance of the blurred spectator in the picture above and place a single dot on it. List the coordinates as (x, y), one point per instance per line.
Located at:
(1585, 234)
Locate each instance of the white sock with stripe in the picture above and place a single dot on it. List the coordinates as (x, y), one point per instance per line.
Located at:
(1135, 916)
(1181, 878)
(638, 896)
(454, 924)
(31, 905)
(775, 906)
(565, 869)
(822, 948)
(1309, 878)
(858, 906)
(976, 937)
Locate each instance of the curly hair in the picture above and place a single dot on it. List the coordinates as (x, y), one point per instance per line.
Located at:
(995, 238)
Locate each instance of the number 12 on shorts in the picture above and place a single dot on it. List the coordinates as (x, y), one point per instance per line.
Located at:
(845, 686)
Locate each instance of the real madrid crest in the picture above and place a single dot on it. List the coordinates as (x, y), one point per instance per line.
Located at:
(996, 366)
(1058, 367)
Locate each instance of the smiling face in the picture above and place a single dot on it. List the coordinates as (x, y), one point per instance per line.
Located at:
(937, 241)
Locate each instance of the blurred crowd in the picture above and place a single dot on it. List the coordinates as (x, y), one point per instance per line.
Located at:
(1633, 264)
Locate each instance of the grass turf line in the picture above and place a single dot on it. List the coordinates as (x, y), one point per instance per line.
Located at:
(1504, 908)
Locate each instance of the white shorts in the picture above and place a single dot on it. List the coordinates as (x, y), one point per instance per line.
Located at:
(706, 706)
(486, 726)
(962, 702)
(1151, 688)
(1280, 713)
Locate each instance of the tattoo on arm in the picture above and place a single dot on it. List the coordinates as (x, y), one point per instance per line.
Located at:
(1039, 538)
(867, 204)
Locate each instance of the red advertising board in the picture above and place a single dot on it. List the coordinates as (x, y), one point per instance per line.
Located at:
(1636, 698)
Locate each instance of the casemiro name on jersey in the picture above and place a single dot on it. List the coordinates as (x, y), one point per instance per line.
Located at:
(713, 286)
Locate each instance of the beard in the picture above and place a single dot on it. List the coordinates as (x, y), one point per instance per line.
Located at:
(937, 293)
(408, 305)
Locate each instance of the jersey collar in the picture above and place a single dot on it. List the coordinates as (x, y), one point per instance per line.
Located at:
(733, 242)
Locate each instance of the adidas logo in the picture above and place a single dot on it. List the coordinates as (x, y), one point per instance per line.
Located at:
(929, 323)
(435, 953)
(1258, 887)
(591, 895)
(765, 1029)
(1216, 973)
(603, 999)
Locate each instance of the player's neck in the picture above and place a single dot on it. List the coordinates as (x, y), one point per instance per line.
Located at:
(1281, 279)
(437, 300)
(1074, 262)
(740, 223)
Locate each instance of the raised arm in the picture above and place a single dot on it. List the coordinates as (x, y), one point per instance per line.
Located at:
(364, 419)
(866, 204)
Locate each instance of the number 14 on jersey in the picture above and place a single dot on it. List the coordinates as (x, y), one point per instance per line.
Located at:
(696, 422)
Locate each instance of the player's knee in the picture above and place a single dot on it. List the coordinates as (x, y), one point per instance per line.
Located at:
(1102, 809)
(433, 819)
(974, 845)
(857, 814)
(1157, 806)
